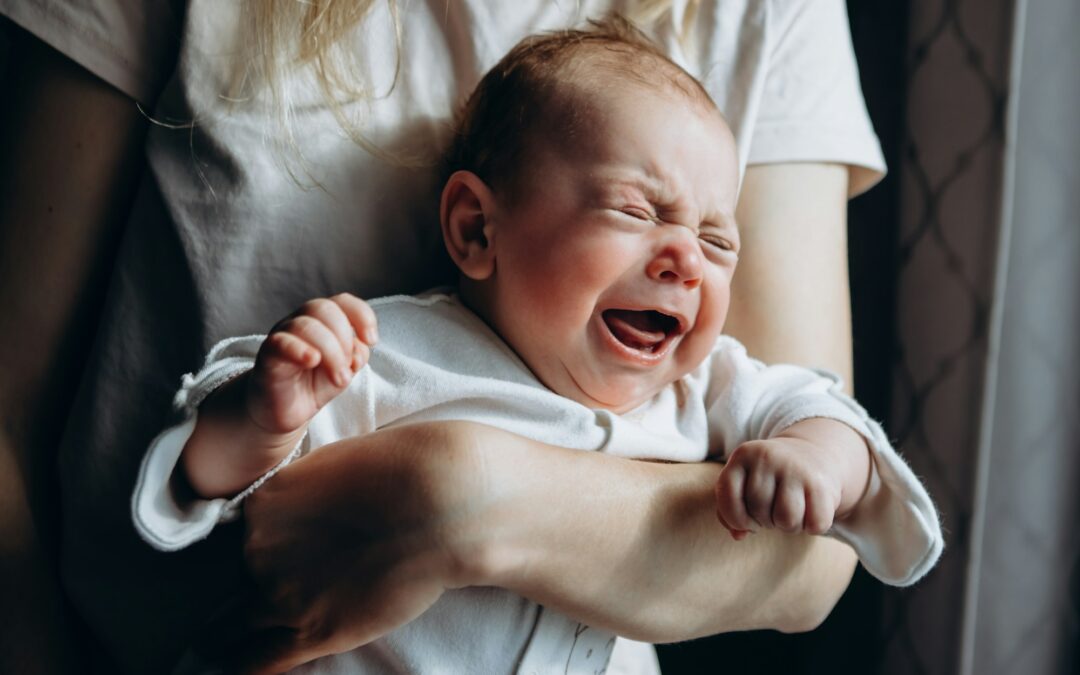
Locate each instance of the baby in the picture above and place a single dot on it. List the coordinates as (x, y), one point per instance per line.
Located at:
(589, 206)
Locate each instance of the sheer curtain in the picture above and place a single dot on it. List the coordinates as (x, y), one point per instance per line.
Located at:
(987, 368)
(1022, 592)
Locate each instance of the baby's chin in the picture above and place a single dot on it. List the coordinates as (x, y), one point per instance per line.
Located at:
(618, 400)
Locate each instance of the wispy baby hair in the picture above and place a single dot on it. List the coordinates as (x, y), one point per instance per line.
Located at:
(541, 88)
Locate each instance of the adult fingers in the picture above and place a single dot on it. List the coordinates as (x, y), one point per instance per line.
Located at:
(235, 626)
(271, 650)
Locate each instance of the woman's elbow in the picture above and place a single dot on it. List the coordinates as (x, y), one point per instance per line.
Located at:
(820, 592)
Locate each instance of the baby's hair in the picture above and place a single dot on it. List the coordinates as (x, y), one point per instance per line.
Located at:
(542, 87)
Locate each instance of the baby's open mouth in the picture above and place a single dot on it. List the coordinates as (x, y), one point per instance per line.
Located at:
(642, 330)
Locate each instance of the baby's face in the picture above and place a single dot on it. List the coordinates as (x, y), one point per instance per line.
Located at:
(613, 268)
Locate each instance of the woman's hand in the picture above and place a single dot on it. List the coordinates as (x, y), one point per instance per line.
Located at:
(352, 542)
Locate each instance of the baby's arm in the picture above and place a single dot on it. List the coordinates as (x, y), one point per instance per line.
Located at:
(249, 425)
(801, 480)
(802, 456)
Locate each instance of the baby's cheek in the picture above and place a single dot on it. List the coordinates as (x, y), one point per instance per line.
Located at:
(715, 300)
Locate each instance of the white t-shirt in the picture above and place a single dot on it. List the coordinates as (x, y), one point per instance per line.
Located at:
(223, 241)
(437, 361)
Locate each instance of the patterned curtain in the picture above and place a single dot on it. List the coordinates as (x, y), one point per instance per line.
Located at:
(986, 398)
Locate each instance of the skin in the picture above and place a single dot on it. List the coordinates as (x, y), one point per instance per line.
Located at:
(791, 299)
(643, 217)
(789, 583)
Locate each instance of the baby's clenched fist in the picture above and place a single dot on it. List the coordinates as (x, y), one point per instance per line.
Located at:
(783, 483)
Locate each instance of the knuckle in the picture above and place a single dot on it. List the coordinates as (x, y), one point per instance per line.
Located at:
(315, 305)
(751, 453)
(739, 454)
(301, 324)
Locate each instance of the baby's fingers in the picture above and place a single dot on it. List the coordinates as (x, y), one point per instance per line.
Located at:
(361, 354)
(284, 354)
(333, 359)
(331, 314)
(730, 507)
(820, 511)
(759, 494)
(789, 506)
(360, 317)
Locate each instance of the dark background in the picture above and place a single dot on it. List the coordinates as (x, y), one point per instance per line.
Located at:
(850, 640)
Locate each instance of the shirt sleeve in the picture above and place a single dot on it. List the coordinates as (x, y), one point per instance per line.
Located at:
(131, 45)
(812, 107)
(164, 518)
(898, 537)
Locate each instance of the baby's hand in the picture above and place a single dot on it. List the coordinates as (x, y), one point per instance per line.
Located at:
(786, 483)
(309, 358)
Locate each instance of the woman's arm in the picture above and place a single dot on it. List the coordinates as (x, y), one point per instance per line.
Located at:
(790, 300)
(635, 547)
(406, 513)
(72, 158)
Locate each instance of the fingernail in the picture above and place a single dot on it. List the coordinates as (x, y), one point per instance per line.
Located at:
(371, 335)
(343, 377)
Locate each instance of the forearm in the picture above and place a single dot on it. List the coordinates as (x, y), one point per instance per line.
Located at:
(635, 547)
(790, 298)
(227, 451)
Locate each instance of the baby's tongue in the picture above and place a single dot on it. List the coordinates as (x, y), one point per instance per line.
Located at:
(638, 330)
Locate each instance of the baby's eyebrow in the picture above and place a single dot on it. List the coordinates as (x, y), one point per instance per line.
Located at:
(725, 221)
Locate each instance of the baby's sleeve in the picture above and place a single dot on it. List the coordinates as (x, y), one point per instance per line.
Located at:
(899, 538)
(164, 517)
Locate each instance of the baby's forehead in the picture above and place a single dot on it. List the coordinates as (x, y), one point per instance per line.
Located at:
(591, 99)
(588, 71)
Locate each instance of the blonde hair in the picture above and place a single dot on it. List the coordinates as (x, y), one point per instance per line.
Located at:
(288, 34)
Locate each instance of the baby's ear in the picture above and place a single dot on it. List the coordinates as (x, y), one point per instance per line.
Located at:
(467, 227)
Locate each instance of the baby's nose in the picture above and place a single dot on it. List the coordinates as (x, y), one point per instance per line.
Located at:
(678, 260)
